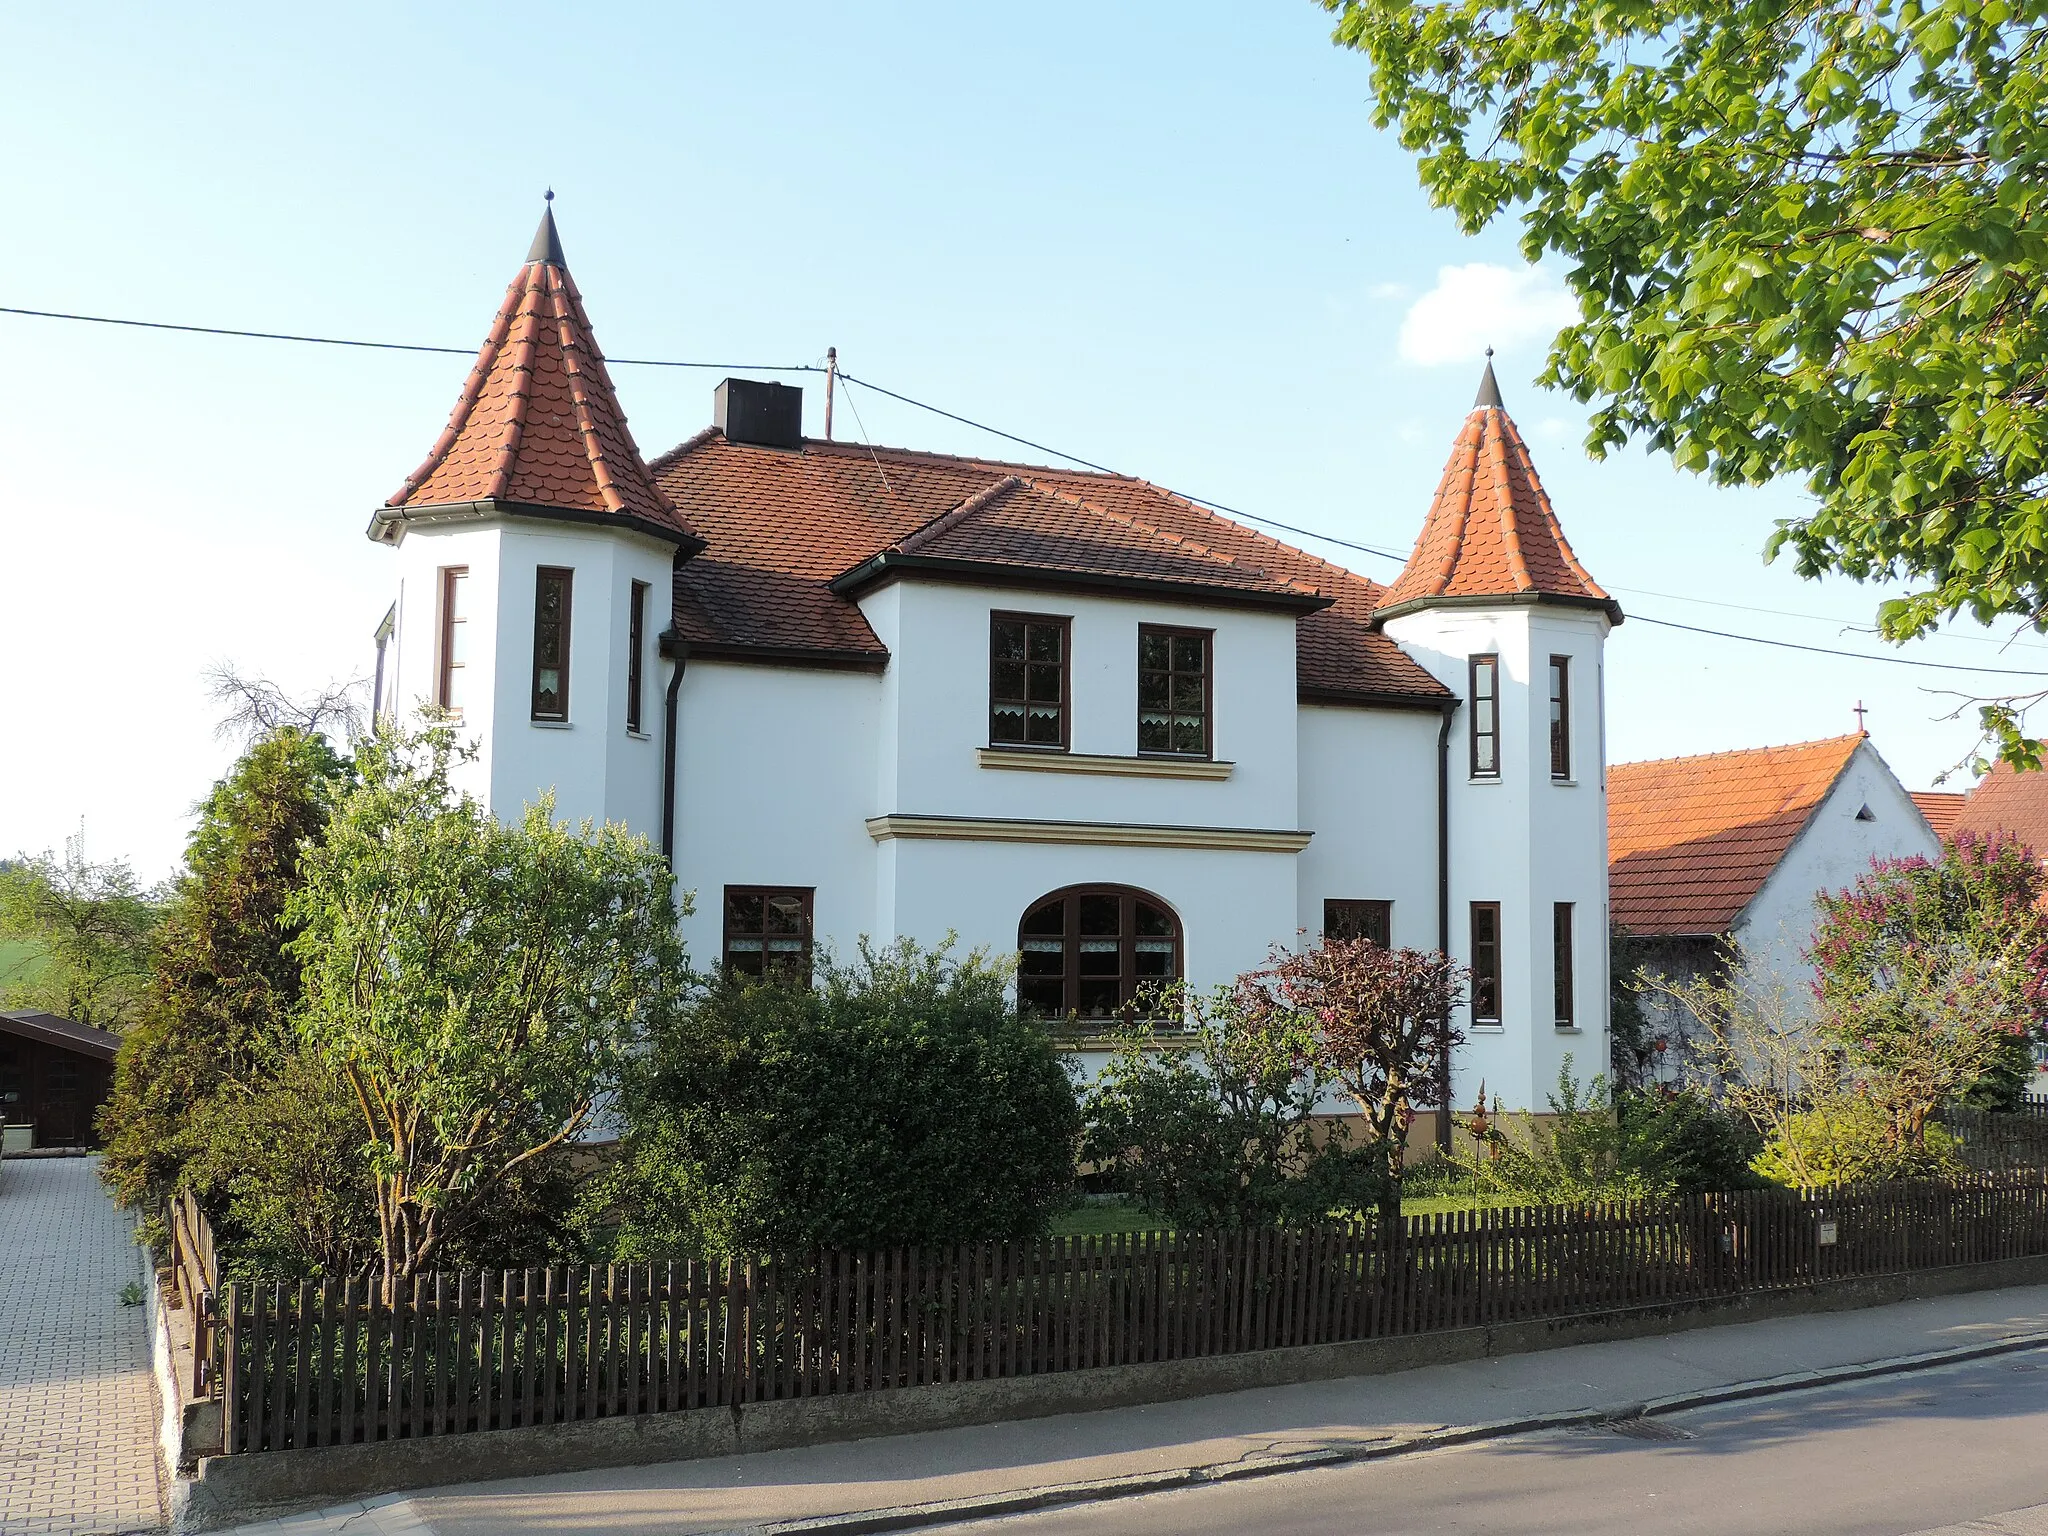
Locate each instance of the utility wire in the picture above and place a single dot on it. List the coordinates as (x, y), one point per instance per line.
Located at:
(1011, 437)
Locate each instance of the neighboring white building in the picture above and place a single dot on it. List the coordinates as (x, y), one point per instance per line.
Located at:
(864, 691)
(1734, 847)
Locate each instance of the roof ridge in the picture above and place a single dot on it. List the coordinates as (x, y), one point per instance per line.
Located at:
(1696, 757)
(1181, 541)
(934, 528)
(688, 445)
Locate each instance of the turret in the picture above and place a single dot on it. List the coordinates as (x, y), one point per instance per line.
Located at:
(536, 560)
(1494, 603)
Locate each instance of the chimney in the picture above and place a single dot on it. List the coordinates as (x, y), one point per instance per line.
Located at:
(749, 411)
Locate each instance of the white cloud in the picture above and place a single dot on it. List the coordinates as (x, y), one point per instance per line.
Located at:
(1480, 305)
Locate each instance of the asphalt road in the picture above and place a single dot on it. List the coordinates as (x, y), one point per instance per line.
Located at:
(1910, 1453)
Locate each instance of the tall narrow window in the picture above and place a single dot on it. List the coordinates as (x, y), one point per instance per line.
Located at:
(1027, 680)
(551, 643)
(1486, 962)
(768, 931)
(1561, 977)
(1485, 717)
(448, 686)
(1560, 717)
(1173, 691)
(1360, 920)
(636, 646)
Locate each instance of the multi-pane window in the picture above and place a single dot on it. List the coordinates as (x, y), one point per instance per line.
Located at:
(1027, 680)
(1561, 977)
(768, 931)
(1486, 962)
(1360, 920)
(636, 654)
(1099, 952)
(1560, 717)
(1485, 717)
(551, 643)
(454, 658)
(1173, 690)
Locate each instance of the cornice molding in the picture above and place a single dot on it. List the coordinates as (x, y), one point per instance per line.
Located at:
(1098, 834)
(1100, 763)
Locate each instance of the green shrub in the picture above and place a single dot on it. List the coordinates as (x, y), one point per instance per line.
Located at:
(1683, 1141)
(900, 1101)
(1849, 1141)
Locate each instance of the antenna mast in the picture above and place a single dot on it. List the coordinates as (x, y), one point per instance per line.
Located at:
(831, 377)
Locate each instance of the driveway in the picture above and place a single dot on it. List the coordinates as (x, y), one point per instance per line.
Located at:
(78, 1405)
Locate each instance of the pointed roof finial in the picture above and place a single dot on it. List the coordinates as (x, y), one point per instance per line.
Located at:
(547, 243)
(1489, 388)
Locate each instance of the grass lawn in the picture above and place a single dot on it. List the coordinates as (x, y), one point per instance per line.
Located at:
(20, 959)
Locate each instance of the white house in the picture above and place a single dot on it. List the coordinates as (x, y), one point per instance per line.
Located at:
(1734, 846)
(869, 691)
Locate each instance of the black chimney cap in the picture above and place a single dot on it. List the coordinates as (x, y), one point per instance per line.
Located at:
(753, 411)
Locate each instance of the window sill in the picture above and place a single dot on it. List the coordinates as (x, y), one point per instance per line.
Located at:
(551, 725)
(1564, 783)
(1486, 1029)
(639, 736)
(1044, 760)
(1568, 1029)
(1484, 778)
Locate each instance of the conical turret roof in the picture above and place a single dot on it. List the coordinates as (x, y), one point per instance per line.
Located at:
(1491, 534)
(538, 428)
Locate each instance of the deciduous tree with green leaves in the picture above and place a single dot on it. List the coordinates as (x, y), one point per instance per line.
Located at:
(1806, 239)
(478, 985)
(81, 930)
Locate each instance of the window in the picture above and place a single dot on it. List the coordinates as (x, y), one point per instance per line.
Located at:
(448, 686)
(1560, 717)
(636, 647)
(1101, 952)
(1173, 691)
(768, 931)
(1360, 920)
(551, 643)
(1027, 680)
(1561, 963)
(1486, 962)
(1485, 717)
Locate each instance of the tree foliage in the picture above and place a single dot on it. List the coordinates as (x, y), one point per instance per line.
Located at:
(476, 985)
(1806, 239)
(901, 1100)
(85, 929)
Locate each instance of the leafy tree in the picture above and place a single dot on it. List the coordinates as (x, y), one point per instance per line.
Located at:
(1218, 1127)
(1848, 1140)
(1380, 1021)
(1930, 974)
(476, 985)
(221, 988)
(85, 928)
(1806, 240)
(902, 1100)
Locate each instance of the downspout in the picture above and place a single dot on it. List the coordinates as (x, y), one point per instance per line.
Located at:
(1443, 918)
(669, 711)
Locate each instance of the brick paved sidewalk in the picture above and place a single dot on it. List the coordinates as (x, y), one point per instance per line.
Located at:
(78, 1409)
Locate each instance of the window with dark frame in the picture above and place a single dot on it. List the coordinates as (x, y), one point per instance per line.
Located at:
(1096, 952)
(1027, 680)
(1486, 962)
(1360, 920)
(1561, 975)
(1560, 717)
(1485, 717)
(454, 656)
(636, 645)
(768, 931)
(551, 642)
(1173, 691)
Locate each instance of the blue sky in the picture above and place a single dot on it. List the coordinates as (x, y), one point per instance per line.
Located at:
(1163, 237)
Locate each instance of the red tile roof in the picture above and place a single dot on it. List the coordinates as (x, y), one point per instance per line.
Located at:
(2005, 800)
(1691, 840)
(538, 423)
(784, 528)
(1940, 807)
(1491, 532)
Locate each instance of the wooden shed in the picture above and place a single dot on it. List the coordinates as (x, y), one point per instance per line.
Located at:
(54, 1075)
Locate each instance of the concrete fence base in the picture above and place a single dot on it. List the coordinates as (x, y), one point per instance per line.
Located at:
(227, 1490)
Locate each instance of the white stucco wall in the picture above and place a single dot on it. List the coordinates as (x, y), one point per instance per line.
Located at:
(1368, 788)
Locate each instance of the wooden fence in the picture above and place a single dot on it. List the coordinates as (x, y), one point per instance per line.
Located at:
(1991, 1141)
(195, 1284)
(330, 1364)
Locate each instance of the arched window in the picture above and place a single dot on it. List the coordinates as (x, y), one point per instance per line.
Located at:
(1096, 951)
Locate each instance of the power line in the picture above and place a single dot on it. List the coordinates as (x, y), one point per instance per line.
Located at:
(1038, 447)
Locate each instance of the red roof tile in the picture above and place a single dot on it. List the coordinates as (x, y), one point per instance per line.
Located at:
(1940, 807)
(1491, 532)
(782, 527)
(2005, 800)
(538, 423)
(1691, 840)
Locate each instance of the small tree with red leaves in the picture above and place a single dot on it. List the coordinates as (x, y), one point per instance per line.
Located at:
(1381, 1023)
